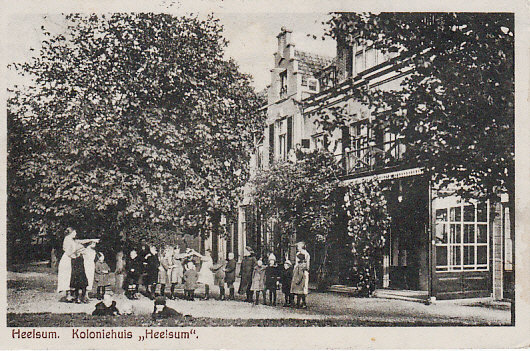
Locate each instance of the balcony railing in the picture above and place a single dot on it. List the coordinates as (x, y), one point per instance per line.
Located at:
(374, 156)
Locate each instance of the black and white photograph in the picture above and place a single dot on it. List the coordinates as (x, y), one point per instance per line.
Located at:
(170, 169)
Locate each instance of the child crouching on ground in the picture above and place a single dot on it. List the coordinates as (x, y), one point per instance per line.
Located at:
(162, 311)
(300, 277)
(107, 307)
(190, 281)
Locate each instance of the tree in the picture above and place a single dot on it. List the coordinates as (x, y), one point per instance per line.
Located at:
(368, 226)
(456, 110)
(301, 196)
(135, 121)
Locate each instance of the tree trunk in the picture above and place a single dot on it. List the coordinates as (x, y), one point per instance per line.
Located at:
(120, 271)
(53, 258)
(215, 232)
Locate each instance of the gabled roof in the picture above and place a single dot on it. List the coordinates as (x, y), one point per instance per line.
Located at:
(310, 64)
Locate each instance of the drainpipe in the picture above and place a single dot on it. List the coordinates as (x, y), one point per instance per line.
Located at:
(431, 298)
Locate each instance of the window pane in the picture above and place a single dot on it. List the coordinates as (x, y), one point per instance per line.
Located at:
(441, 233)
(482, 236)
(482, 254)
(441, 215)
(455, 234)
(469, 233)
(482, 212)
(441, 255)
(469, 255)
(455, 214)
(456, 254)
(469, 213)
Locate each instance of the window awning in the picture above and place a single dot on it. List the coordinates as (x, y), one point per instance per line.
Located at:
(386, 176)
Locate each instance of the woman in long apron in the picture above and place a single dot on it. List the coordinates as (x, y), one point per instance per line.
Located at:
(70, 246)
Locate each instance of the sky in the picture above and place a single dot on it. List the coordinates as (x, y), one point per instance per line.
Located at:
(252, 38)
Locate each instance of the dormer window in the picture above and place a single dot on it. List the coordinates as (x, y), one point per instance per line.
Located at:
(312, 85)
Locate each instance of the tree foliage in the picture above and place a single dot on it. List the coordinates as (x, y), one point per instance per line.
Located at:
(135, 120)
(302, 195)
(456, 109)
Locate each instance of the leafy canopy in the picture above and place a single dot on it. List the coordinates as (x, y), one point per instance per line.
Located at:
(456, 110)
(134, 120)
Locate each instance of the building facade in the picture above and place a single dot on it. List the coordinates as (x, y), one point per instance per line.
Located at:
(438, 243)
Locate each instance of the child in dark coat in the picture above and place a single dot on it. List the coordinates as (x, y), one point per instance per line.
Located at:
(133, 269)
(107, 307)
(271, 280)
(286, 278)
(152, 272)
(230, 275)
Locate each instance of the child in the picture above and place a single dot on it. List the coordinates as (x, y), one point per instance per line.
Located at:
(230, 275)
(258, 281)
(190, 281)
(165, 259)
(162, 311)
(299, 283)
(271, 280)
(205, 273)
(102, 276)
(107, 307)
(286, 279)
(151, 277)
(177, 271)
(219, 277)
(133, 268)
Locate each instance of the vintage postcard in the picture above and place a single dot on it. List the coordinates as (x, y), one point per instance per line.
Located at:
(278, 175)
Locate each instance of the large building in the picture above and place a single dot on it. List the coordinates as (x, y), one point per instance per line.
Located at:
(438, 243)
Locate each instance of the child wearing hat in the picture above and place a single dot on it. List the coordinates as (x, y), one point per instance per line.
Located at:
(271, 280)
(286, 278)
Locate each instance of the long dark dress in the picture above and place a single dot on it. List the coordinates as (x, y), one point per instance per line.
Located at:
(152, 270)
(247, 267)
(78, 279)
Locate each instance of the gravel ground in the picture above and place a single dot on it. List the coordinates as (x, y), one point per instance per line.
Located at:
(32, 301)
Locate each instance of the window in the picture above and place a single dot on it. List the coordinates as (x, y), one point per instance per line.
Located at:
(319, 141)
(462, 240)
(313, 85)
(283, 84)
(281, 127)
(359, 62)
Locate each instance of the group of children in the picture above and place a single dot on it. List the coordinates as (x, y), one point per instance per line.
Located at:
(267, 279)
(175, 269)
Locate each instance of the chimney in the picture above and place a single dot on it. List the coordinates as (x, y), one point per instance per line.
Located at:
(284, 38)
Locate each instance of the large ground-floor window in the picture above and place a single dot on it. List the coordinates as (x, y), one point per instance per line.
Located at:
(462, 237)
